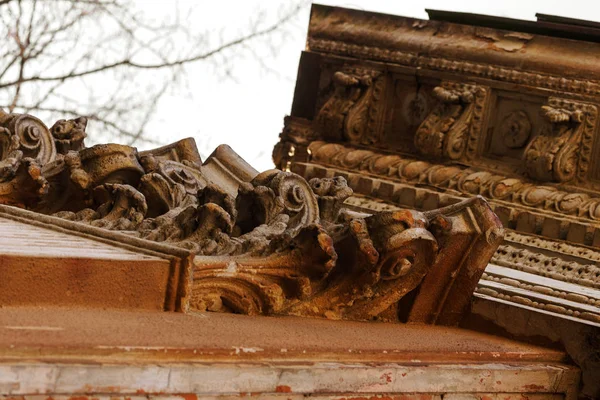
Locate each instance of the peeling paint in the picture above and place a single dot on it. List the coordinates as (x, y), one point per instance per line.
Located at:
(510, 42)
(35, 328)
(241, 349)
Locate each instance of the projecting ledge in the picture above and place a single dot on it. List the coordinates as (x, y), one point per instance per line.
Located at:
(52, 350)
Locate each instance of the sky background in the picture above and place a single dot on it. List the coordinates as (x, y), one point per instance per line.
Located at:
(246, 109)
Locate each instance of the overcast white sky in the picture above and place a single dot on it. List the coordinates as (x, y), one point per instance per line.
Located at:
(247, 112)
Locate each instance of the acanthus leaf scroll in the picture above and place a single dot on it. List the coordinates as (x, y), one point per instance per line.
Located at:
(352, 112)
(277, 245)
(561, 151)
(451, 130)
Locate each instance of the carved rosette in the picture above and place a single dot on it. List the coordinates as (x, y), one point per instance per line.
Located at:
(561, 151)
(515, 129)
(452, 129)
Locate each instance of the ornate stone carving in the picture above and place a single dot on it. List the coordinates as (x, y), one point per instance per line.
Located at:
(358, 51)
(468, 181)
(268, 243)
(522, 273)
(350, 113)
(586, 254)
(25, 145)
(561, 151)
(69, 134)
(454, 125)
(543, 265)
(537, 171)
(27, 135)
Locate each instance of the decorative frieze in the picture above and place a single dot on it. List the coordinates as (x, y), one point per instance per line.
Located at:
(547, 295)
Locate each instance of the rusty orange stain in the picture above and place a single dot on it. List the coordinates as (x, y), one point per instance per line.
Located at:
(387, 377)
(404, 216)
(189, 396)
(533, 387)
(283, 389)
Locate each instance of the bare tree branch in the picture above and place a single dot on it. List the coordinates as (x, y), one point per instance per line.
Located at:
(57, 51)
(130, 63)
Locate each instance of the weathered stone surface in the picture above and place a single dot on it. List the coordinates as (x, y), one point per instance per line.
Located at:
(423, 114)
(86, 352)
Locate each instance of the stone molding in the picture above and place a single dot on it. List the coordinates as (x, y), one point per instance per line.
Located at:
(517, 193)
(475, 69)
(223, 355)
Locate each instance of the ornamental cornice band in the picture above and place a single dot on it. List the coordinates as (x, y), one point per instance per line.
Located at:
(465, 180)
(266, 243)
(475, 69)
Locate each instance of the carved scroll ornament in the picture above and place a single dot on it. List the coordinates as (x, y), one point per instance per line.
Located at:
(350, 112)
(268, 243)
(561, 152)
(452, 127)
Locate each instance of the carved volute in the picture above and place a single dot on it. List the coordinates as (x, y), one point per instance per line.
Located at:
(560, 152)
(447, 130)
(348, 113)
